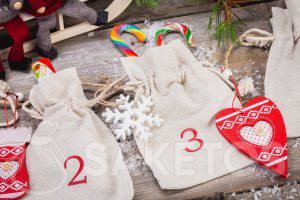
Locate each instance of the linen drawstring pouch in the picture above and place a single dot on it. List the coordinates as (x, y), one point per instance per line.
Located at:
(293, 7)
(72, 154)
(282, 80)
(187, 149)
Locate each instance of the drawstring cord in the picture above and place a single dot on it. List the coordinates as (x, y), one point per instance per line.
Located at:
(236, 88)
(102, 94)
(252, 37)
(13, 104)
(256, 37)
(5, 111)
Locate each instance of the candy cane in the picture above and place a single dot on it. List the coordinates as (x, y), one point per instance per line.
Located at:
(175, 27)
(120, 44)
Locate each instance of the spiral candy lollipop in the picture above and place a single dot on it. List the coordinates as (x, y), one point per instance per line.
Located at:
(120, 44)
(175, 27)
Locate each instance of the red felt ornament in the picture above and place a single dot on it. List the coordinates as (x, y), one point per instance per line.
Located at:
(258, 131)
(14, 181)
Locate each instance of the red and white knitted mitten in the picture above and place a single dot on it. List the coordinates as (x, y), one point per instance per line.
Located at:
(14, 180)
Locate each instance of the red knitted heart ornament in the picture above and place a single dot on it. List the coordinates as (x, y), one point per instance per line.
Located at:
(14, 181)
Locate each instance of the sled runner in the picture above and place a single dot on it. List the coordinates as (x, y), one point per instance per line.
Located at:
(116, 8)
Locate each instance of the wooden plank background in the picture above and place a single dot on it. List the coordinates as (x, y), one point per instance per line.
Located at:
(94, 55)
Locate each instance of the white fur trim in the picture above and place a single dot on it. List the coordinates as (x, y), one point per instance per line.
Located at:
(17, 135)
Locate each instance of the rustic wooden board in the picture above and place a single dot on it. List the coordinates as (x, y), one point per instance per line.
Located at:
(288, 191)
(167, 9)
(95, 55)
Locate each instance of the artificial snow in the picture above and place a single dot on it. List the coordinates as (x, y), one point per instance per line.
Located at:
(297, 143)
(276, 190)
(150, 30)
(133, 117)
(201, 52)
(91, 34)
(293, 190)
(246, 86)
(233, 194)
(132, 158)
(257, 194)
(227, 73)
(262, 172)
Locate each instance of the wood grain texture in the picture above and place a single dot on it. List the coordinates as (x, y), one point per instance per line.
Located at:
(95, 55)
(167, 9)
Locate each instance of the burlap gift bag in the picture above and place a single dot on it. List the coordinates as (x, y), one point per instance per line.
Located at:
(72, 155)
(282, 80)
(293, 7)
(187, 96)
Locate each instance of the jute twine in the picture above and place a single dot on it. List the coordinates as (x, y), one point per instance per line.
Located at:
(8, 98)
(107, 89)
(103, 92)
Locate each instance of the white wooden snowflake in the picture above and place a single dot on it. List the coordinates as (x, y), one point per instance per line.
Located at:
(133, 118)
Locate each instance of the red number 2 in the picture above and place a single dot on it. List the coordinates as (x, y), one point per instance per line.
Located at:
(194, 138)
(81, 165)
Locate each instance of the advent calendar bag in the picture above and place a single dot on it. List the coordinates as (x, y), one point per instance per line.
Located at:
(282, 80)
(293, 7)
(73, 155)
(187, 149)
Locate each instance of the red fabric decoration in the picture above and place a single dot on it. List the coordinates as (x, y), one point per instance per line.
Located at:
(14, 180)
(48, 63)
(258, 131)
(19, 32)
(50, 5)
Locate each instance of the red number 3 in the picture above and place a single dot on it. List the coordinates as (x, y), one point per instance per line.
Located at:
(81, 165)
(194, 139)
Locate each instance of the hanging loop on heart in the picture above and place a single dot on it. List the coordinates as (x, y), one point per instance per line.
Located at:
(237, 93)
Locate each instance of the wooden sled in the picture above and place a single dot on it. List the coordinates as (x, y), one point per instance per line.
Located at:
(115, 9)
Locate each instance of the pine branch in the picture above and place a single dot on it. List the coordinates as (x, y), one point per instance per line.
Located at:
(147, 3)
(226, 21)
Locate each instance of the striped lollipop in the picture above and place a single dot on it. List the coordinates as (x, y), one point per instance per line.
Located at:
(120, 44)
(175, 27)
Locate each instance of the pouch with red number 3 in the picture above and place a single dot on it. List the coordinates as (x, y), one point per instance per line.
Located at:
(187, 149)
(72, 154)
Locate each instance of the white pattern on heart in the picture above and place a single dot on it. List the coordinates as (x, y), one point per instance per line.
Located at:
(7, 174)
(251, 134)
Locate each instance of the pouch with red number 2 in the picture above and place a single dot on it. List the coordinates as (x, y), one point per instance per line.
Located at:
(187, 149)
(72, 154)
